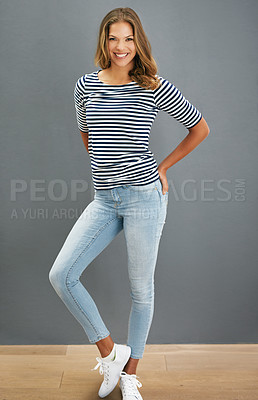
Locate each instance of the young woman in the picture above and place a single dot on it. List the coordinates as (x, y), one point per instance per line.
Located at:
(115, 108)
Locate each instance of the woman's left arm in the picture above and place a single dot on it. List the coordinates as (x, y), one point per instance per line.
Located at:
(195, 136)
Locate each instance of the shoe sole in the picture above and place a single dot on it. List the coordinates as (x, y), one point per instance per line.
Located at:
(126, 358)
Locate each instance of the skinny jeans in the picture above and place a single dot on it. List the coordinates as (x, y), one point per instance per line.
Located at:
(140, 211)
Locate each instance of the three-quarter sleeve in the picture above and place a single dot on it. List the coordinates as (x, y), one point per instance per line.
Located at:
(79, 102)
(168, 98)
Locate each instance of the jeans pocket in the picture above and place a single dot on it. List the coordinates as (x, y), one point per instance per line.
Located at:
(166, 197)
(161, 190)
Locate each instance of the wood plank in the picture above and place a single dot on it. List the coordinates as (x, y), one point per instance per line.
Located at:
(34, 349)
(212, 360)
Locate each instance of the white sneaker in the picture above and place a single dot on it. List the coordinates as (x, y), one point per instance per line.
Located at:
(112, 369)
(128, 384)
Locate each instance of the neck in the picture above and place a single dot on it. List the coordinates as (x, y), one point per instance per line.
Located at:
(119, 74)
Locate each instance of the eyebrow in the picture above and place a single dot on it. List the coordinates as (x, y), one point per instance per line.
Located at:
(125, 36)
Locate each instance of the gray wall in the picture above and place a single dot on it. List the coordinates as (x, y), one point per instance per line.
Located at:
(206, 274)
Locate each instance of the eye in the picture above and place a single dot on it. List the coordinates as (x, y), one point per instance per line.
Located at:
(111, 38)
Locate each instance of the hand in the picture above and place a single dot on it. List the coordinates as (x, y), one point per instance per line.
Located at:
(164, 181)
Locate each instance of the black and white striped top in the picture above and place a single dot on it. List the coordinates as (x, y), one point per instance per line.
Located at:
(118, 119)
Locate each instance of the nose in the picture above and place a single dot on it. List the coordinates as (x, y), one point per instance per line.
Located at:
(119, 46)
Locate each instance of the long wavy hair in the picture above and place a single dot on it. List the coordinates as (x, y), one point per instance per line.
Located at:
(145, 67)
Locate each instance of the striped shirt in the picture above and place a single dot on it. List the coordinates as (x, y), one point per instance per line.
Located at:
(118, 119)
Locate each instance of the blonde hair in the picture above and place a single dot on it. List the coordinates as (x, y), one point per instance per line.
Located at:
(145, 67)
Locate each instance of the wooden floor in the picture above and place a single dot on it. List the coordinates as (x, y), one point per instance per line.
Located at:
(171, 372)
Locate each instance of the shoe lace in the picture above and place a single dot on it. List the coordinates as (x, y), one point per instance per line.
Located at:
(103, 369)
(130, 383)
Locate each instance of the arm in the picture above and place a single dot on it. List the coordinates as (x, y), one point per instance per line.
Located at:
(79, 102)
(195, 136)
(169, 98)
(85, 137)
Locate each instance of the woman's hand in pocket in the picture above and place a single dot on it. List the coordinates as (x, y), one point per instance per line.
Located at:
(164, 181)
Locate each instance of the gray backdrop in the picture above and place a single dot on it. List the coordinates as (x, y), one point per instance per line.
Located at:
(206, 273)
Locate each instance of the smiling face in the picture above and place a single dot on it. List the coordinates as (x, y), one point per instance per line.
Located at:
(121, 44)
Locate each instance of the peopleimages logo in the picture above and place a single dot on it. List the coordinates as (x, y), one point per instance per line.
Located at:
(35, 191)
(54, 190)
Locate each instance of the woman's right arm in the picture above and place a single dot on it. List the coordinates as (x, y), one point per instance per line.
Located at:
(79, 102)
(85, 137)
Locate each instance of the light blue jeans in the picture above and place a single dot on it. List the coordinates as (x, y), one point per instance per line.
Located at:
(141, 212)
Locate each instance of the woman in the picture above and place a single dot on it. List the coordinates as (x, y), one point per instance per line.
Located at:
(115, 108)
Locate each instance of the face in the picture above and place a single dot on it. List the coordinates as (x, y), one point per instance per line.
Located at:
(121, 44)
